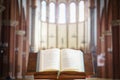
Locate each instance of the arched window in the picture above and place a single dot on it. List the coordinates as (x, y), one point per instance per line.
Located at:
(72, 12)
(62, 13)
(52, 12)
(43, 12)
(81, 11)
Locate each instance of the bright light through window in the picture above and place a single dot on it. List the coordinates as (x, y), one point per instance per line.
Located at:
(81, 11)
(62, 13)
(43, 17)
(52, 13)
(72, 12)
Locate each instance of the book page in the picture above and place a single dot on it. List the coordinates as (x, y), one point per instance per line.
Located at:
(50, 60)
(72, 60)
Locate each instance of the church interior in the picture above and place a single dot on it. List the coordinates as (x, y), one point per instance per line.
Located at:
(28, 26)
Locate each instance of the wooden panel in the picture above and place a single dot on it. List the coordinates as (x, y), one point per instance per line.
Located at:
(0, 26)
(81, 35)
(116, 38)
(44, 35)
(1, 63)
(88, 64)
(72, 75)
(62, 36)
(61, 75)
(110, 66)
(87, 35)
(72, 36)
(32, 61)
(52, 36)
(46, 75)
(116, 51)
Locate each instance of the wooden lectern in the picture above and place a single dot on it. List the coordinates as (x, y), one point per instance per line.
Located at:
(56, 75)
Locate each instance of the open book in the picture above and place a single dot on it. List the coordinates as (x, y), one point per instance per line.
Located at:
(60, 60)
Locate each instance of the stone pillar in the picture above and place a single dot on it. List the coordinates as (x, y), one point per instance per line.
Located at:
(92, 27)
(19, 54)
(20, 36)
(12, 43)
(33, 10)
(92, 34)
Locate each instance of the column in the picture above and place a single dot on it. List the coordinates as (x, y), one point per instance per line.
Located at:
(92, 33)
(92, 27)
(20, 34)
(12, 41)
(33, 10)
